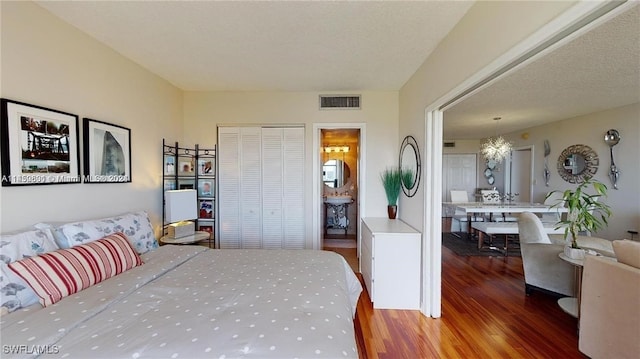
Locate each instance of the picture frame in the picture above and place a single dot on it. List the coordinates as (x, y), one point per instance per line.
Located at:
(205, 209)
(107, 152)
(39, 146)
(206, 226)
(206, 188)
(169, 165)
(188, 183)
(169, 185)
(205, 167)
(186, 166)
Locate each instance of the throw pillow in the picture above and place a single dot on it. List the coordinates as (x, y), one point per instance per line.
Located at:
(57, 274)
(627, 252)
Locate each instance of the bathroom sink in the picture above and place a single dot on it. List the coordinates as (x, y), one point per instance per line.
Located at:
(338, 199)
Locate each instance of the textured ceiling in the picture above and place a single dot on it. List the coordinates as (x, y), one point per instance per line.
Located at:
(356, 46)
(270, 45)
(597, 71)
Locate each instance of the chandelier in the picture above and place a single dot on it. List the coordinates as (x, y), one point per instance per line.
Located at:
(496, 148)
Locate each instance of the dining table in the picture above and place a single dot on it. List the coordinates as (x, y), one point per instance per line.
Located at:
(484, 208)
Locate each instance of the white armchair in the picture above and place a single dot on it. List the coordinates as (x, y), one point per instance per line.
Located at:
(543, 269)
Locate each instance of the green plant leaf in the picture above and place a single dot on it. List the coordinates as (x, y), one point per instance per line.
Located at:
(392, 182)
(586, 212)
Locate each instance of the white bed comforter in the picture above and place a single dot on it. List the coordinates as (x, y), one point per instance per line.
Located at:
(191, 302)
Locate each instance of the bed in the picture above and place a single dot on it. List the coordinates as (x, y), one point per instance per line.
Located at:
(195, 302)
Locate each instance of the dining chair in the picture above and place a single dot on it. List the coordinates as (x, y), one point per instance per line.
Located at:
(460, 219)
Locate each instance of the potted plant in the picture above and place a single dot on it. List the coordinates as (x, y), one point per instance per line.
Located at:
(392, 183)
(585, 213)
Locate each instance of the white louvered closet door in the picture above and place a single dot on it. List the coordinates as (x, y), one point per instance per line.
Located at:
(239, 192)
(261, 187)
(228, 215)
(272, 174)
(250, 187)
(293, 186)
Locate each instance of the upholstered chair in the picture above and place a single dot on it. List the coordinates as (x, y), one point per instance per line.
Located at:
(459, 220)
(609, 305)
(543, 268)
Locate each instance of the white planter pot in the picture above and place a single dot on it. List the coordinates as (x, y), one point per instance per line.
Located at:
(574, 253)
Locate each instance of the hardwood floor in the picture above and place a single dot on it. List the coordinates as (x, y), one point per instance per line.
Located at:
(485, 314)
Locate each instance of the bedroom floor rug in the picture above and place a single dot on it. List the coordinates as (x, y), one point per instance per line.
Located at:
(464, 246)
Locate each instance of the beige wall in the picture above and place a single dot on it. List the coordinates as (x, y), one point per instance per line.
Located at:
(488, 30)
(203, 111)
(49, 63)
(589, 130)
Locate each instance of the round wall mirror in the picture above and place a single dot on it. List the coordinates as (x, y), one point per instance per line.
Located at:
(410, 166)
(578, 163)
(335, 173)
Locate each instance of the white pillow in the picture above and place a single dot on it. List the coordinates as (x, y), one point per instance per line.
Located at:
(58, 236)
(136, 226)
(17, 246)
(15, 293)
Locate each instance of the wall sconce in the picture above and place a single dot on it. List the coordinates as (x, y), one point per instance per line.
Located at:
(334, 148)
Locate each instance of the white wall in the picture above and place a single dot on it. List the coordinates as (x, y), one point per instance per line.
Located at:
(49, 63)
(488, 30)
(203, 111)
(590, 130)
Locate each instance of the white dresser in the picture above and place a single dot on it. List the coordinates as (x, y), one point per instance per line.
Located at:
(390, 263)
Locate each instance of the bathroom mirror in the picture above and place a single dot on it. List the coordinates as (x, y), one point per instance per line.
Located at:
(578, 163)
(335, 173)
(410, 166)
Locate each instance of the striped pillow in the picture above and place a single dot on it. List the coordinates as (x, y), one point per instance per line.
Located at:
(55, 275)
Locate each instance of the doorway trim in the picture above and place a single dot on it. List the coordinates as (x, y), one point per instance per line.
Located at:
(567, 26)
(317, 183)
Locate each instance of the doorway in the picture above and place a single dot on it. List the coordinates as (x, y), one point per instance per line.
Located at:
(518, 182)
(554, 34)
(339, 150)
(357, 174)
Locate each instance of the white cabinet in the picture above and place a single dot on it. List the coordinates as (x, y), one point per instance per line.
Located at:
(390, 263)
(261, 187)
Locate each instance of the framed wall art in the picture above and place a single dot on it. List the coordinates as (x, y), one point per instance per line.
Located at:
(206, 188)
(206, 208)
(107, 152)
(39, 145)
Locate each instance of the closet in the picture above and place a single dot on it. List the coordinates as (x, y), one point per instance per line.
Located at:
(261, 187)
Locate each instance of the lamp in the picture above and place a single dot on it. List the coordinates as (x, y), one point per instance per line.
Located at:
(334, 148)
(495, 148)
(180, 208)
